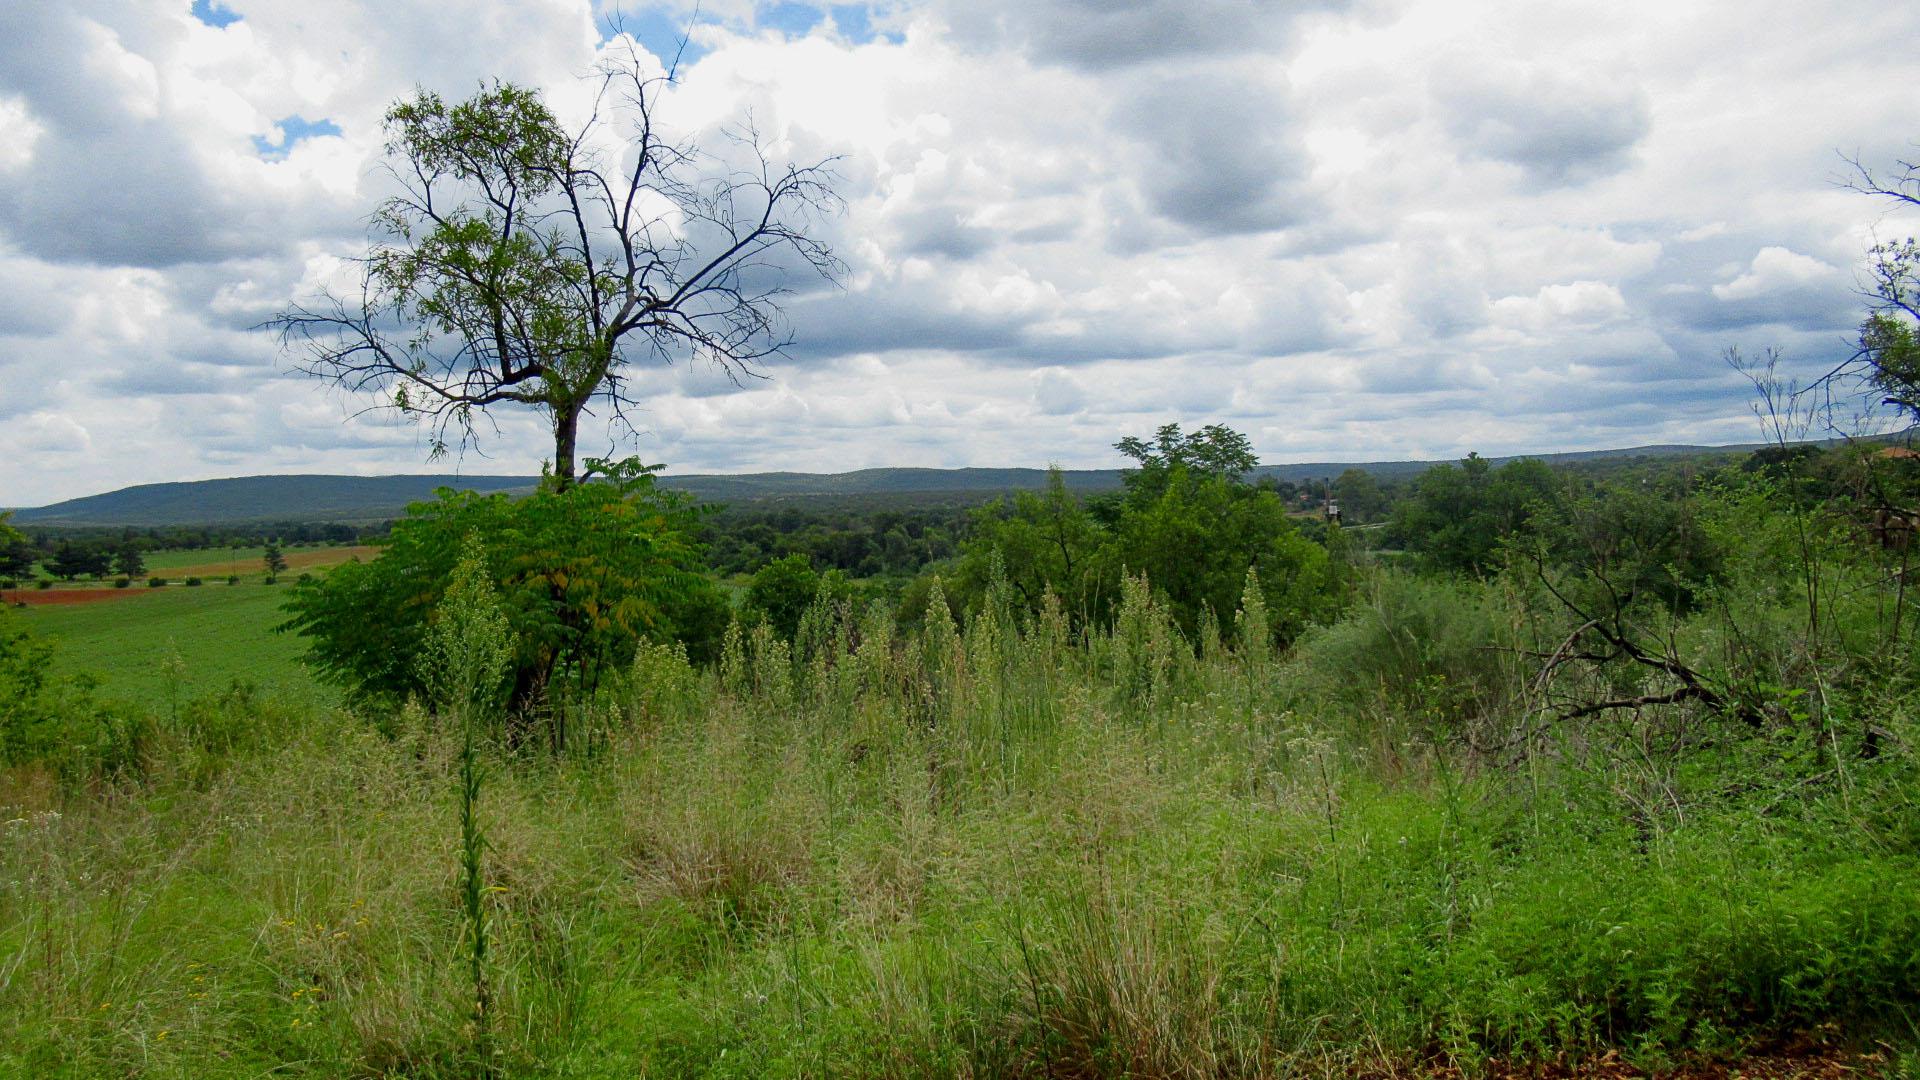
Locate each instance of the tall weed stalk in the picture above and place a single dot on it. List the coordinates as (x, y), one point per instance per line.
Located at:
(466, 661)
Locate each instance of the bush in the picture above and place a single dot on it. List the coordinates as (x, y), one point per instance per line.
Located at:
(783, 590)
(54, 720)
(233, 579)
(43, 583)
(121, 583)
(156, 582)
(1422, 648)
(584, 576)
(193, 581)
(9, 583)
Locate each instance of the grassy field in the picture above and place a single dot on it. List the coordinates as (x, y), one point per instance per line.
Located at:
(154, 645)
(218, 563)
(157, 645)
(969, 854)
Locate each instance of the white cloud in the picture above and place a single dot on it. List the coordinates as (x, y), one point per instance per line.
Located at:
(1777, 270)
(19, 131)
(1578, 303)
(1355, 229)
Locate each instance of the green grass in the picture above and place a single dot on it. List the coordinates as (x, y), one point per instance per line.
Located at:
(170, 558)
(177, 641)
(998, 849)
(216, 564)
(967, 855)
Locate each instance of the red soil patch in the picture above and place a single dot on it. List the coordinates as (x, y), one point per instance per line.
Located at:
(51, 597)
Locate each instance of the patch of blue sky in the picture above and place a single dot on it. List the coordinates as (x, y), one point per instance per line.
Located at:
(855, 23)
(292, 131)
(214, 13)
(791, 19)
(663, 33)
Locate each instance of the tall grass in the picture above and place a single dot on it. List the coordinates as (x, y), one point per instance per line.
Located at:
(1003, 847)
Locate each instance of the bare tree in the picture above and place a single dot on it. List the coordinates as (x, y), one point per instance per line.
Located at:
(1888, 359)
(525, 264)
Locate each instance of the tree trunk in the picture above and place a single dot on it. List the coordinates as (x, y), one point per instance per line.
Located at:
(566, 430)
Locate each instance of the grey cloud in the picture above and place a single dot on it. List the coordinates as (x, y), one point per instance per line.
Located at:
(941, 229)
(1102, 34)
(1217, 152)
(104, 185)
(1560, 129)
(894, 319)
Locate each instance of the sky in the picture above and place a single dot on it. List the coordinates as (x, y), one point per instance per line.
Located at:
(1353, 229)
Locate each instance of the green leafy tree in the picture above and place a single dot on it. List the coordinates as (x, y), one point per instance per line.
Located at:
(527, 264)
(129, 560)
(781, 591)
(1214, 451)
(1188, 520)
(1195, 535)
(1043, 540)
(584, 575)
(1634, 538)
(1457, 516)
(1360, 496)
(275, 560)
(71, 560)
(17, 554)
(1890, 336)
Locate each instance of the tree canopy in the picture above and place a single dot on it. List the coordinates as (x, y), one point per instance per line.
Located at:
(528, 263)
(1187, 520)
(1889, 354)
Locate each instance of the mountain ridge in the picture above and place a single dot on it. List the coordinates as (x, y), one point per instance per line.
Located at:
(321, 497)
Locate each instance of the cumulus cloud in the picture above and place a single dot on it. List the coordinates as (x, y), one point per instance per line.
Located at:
(1774, 271)
(1105, 34)
(1352, 228)
(1556, 126)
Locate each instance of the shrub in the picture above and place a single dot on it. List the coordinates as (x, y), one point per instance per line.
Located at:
(584, 576)
(43, 583)
(193, 581)
(54, 720)
(156, 582)
(783, 590)
(1423, 648)
(121, 583)
(233, 579)
(9, 583)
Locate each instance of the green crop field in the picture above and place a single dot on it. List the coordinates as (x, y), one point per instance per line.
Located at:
(248, 562)
(156, 642)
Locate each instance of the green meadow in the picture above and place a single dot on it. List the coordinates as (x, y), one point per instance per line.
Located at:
(162, 644)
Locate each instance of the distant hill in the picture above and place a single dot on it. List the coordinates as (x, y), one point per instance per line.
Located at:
(316, 497)
(309, 497)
